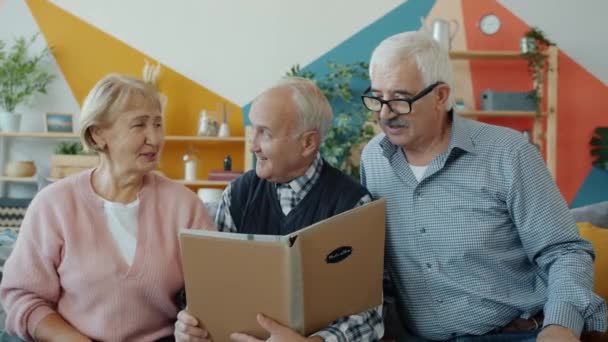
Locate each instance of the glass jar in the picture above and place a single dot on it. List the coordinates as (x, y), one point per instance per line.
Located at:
(190, 166)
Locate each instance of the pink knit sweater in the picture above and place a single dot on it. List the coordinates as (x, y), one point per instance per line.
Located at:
(65, 261)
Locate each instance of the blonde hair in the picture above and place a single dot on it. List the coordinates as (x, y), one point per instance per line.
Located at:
(314, 110)
(433, 61)
(113, 94)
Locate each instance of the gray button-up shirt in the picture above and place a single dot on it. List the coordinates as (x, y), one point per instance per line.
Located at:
(484, 237)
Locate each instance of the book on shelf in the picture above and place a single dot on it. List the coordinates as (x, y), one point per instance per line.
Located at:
(304, 280)
(224, 175)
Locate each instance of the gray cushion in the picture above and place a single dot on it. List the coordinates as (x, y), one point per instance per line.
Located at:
(212, 208)
(12, 211)
(596, 214)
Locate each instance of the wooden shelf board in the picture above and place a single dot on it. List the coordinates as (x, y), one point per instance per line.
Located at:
(202, 182)
(18, 179)
(203, 139)
(466, 54)
(497, 114)
(40, 135)
(76, 136)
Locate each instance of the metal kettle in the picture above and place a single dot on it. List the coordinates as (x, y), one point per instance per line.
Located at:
(440, 31)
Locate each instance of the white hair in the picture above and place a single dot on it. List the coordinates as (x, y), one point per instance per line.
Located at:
(432, 60)
(313, 108)
(113, 94)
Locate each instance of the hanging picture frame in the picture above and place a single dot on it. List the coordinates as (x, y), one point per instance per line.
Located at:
(58, 122)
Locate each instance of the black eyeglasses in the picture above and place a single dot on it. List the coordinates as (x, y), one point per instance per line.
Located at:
(397, 106)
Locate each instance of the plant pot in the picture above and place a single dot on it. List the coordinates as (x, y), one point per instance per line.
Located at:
(10, 122)
(63, 165)
(20, 168)
(527, 45)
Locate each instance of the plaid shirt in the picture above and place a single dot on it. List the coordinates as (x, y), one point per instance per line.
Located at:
(485, 237)
(366, 326)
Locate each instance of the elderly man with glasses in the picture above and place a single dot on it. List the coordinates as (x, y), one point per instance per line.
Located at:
(480, 243)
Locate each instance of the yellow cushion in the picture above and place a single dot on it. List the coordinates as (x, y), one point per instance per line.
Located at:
(599, 239)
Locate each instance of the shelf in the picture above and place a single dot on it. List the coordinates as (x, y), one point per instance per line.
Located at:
(76, 136)
(40, 135)
(498, 114)
(202, 182)
(18, 179)
(203, 139)
(486, 55)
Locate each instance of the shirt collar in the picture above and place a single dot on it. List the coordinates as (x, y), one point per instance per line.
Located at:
(308, 178)
(461, 135)
(460, 138)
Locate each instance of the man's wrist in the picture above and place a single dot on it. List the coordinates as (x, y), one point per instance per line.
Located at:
(564, 315)
(558, 327)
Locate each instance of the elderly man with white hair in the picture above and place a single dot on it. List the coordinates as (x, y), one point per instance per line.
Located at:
(480, 244)
(291, 187)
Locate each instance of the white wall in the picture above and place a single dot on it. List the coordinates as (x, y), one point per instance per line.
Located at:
(578, 27)
(234, 48)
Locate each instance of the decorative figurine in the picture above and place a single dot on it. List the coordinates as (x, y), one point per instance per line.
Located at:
(227, 163)
(224, 130)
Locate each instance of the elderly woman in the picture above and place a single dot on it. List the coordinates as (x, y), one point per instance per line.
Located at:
(97, 256)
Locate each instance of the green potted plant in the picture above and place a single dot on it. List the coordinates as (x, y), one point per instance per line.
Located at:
(599, 147)
(70, 157)
(352, 126)
(534, 44)
(21, 77)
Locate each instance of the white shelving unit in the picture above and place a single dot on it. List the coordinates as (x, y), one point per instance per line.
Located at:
(544, 131)
(5, 137)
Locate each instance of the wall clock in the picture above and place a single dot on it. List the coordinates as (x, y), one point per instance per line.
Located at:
(489, 24)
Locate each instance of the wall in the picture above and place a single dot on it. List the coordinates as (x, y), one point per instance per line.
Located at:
(234, 48)
(86, 53)
(576, 27)
(582, 85)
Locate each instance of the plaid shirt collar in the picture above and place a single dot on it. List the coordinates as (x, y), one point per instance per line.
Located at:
(305, 182)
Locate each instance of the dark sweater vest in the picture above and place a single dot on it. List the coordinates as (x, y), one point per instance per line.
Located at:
(255, 207)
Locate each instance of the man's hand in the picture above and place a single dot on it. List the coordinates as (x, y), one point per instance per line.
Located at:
(187, 329)
(556, 333)
(278, 333)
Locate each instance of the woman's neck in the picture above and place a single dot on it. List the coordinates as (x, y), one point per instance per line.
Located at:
(114, 185)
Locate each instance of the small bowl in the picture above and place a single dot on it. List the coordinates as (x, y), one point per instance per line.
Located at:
(20, 168)
(209, 195)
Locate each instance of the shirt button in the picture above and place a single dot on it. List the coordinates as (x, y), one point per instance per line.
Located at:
(418, 193)
(429, 265)
(439, 301)
(423, 230)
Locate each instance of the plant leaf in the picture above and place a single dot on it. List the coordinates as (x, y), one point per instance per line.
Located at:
(21, 75)
(599, 147)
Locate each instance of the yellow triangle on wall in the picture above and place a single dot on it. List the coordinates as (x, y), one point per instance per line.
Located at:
(85, 54)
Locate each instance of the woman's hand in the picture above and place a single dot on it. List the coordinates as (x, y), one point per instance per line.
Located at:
(188, 329)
